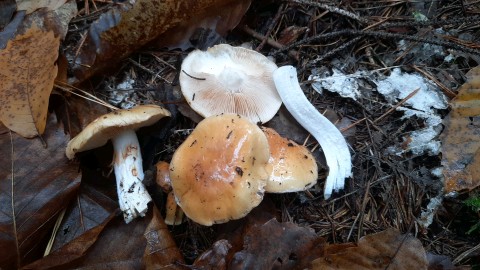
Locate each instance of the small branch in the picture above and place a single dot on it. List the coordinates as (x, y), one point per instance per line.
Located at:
(332, 9)
(270, 28)
(270, 41)
(385, 35)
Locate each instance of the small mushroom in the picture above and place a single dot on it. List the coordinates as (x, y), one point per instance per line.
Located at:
(226, 79)
(173, 212)
(292, 166)
(219, 172)
(163, 176)
(120, 126)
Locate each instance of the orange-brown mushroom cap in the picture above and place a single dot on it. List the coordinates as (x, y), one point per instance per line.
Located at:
(292, 166)
(218, 173)
(226, 79)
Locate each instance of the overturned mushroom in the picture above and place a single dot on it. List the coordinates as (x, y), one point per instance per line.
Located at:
(328, 136)
(292, 166)
(219, 172)
(120, 126)
(226, 79)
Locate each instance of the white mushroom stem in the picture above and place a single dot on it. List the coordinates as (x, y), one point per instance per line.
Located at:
(132, 195)
(328, 136)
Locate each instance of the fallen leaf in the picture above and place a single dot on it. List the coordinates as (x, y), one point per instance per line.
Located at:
(204, 31)
(136, 245)
(215, 258)
(385, 250)
(27, 72)
(442, 262)
(275, 245)
(31, 5)
(460, 141)
(291, 34)
(56, 20)
(42, 183)
(127, 27)
(161, 251)
(84, 220)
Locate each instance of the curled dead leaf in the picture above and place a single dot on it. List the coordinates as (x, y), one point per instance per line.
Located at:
(127, 27)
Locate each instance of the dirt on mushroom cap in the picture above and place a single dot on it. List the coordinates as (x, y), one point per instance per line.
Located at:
(218, 173)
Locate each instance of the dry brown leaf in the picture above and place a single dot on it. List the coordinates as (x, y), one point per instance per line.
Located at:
(291, 34)
(460, 140)
(81, 226)
(42, 183)
(31, 5)
(161, 251)
(275, 245)
(385, 250)
(125, 28)
(27, 72)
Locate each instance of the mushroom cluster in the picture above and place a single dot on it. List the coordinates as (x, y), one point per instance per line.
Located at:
(218, 173)
(222, 170)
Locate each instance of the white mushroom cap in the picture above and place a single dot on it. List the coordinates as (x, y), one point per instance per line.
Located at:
(111, 124)
(226, 79)
(218, 173)
(292, 166)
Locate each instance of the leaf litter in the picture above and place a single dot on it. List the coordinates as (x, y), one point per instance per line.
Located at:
(389, 189)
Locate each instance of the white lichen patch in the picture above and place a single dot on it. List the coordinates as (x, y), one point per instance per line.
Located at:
(423, 105)
(123, 96)
(345, 85)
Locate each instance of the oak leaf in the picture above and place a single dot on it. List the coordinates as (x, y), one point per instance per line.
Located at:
(27, 73)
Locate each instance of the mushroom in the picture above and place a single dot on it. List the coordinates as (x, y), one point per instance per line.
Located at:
(226, 79)
(328, 136)
(292, 166)
(120, 126)
(219, 172)
(174, 213)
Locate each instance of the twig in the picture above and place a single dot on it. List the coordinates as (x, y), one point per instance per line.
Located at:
(270, 28)
(332, 9)
(270, 41)
(472, 19)
(449, 93)
(135, 63)
(466, 254)
(385, 35)
(332, 52)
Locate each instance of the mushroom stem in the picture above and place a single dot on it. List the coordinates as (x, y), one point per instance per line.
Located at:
(132, 195)
(328, 136)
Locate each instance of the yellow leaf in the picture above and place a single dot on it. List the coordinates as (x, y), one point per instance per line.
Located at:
(460, 140)
(27, 73)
